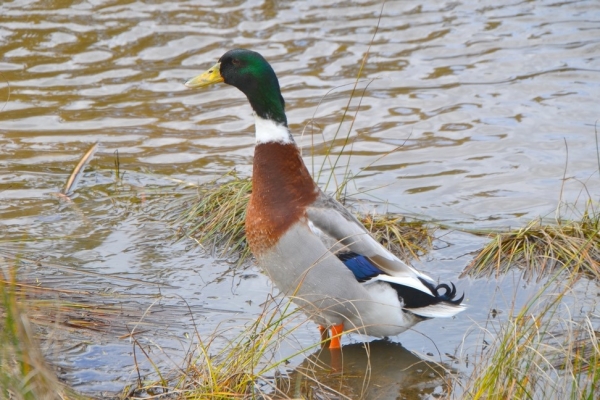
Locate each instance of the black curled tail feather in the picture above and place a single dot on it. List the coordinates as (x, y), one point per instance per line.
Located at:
(449, 294)
(415, 298)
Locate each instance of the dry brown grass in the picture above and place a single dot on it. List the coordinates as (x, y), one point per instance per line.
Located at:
(539, 249)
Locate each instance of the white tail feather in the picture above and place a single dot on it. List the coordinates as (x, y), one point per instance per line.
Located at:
(439, 310)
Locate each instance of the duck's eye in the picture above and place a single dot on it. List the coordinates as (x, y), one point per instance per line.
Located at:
(236, 62)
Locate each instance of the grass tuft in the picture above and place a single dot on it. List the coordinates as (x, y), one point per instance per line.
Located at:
(541, 351)
(539, 249)
(24, 374)
(220, 368)
(405, 238)
(216, 219)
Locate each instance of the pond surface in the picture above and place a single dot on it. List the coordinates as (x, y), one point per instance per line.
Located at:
(474, 114)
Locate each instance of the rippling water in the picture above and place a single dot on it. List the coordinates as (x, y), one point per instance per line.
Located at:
(483, 108)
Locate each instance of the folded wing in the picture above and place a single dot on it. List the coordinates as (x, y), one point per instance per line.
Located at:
(346, 237)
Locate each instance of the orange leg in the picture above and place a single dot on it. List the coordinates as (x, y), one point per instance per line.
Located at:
(336, 334)
(335, 347)
(324, 335)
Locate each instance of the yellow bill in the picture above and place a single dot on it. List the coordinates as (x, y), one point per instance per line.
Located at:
(213, 75)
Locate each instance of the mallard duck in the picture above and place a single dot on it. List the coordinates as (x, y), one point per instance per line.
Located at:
(311, 247)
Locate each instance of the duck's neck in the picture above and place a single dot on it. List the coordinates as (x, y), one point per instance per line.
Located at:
(281, 189)
(268, 131)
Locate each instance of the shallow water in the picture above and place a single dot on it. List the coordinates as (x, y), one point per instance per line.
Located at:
(483, 108)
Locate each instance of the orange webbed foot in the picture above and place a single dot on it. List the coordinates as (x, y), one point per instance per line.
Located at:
(336, 336)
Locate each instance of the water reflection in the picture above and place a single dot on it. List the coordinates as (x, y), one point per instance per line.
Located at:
(376, 370)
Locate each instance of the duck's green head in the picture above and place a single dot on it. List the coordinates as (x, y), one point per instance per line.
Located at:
(252, 74)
